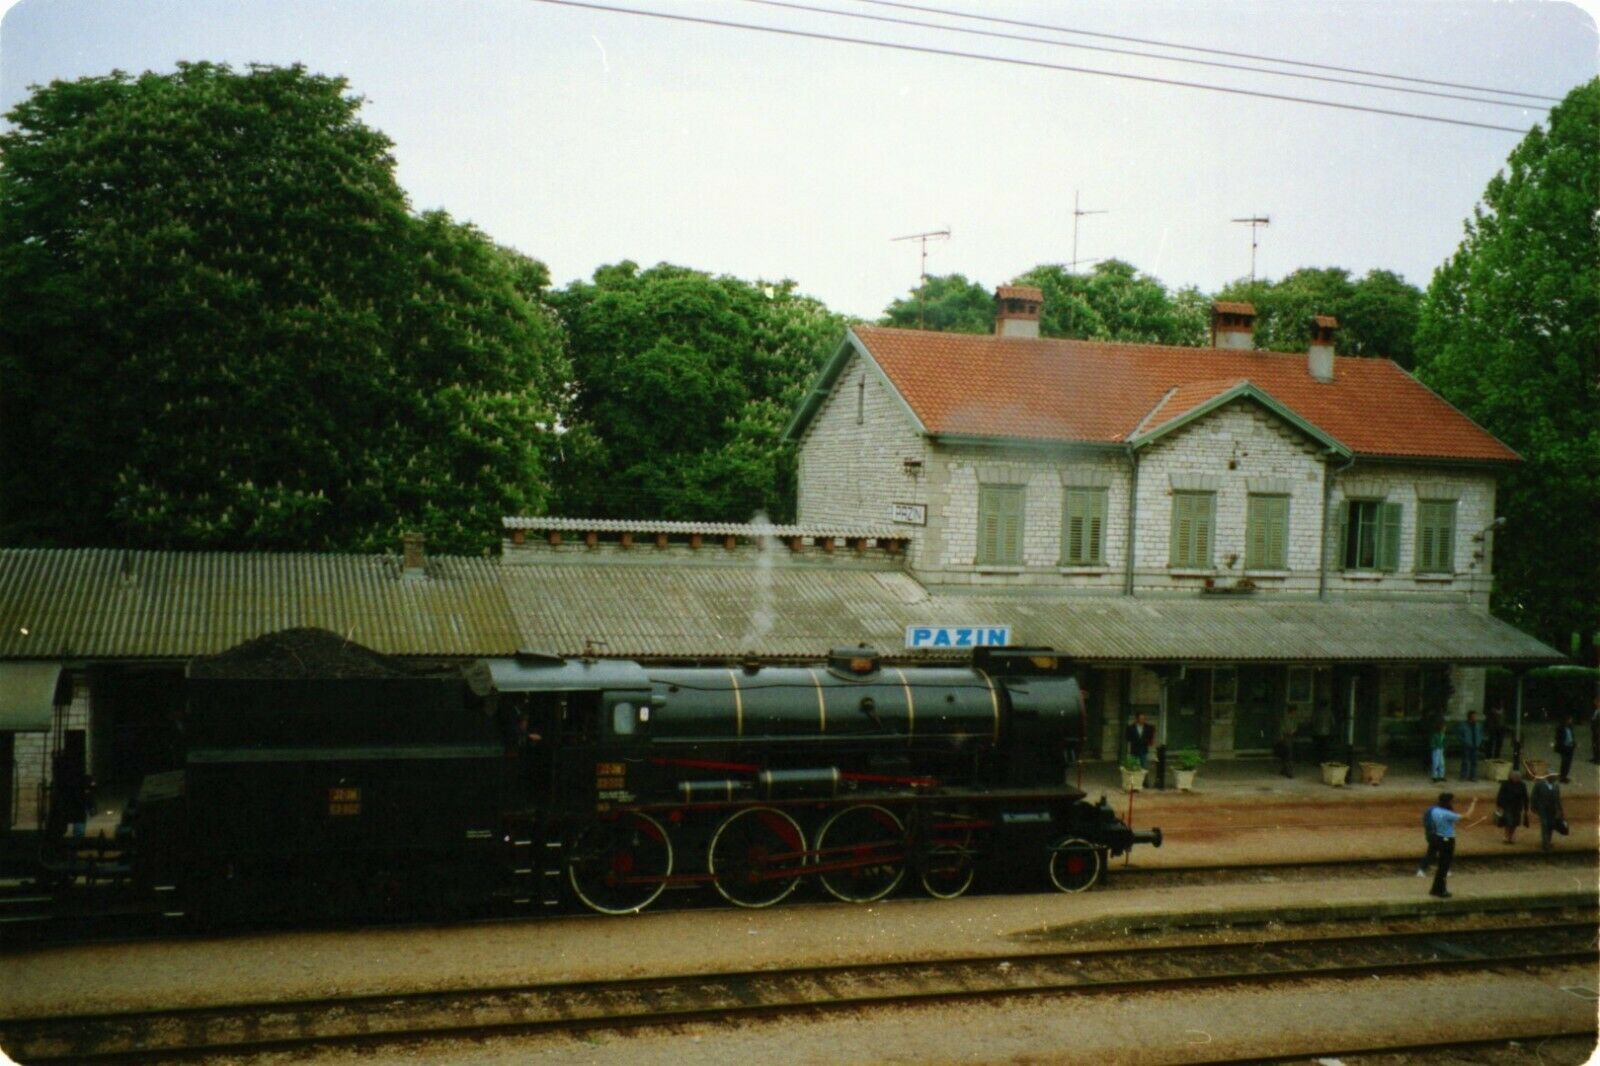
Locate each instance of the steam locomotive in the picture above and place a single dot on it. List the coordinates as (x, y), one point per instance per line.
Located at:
(321, 778)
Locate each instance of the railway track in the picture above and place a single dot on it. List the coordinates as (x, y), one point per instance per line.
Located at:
(1449, 943)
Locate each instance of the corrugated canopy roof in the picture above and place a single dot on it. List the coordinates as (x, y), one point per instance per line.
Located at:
(728, 612)
(134, 604)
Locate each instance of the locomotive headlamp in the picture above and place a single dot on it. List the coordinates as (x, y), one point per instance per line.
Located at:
(1043, 662)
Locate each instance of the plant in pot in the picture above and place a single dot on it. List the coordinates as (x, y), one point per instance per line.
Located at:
(1185, 762)
(1132, 773)
(1334, 773)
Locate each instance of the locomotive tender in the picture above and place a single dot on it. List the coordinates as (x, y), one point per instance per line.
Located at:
(322, 778)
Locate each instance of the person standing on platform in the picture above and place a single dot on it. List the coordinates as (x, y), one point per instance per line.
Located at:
(1444, 831)
(1140, 735)
(1511, 805)
(1285, 745)
(1594, 732)
(1565, 745)
(1322, 730)
(1471, 739)
(1436, 751)
(1546, 803)
(1494, 729)
(1433, 843)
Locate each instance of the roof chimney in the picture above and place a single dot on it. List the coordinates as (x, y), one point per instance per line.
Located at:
(1233, 325)
(413, 563)
(1319, 357)
(1016, 311)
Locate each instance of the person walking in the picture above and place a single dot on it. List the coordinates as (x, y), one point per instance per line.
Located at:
(1285, 745)
(1546, 803)
(1511, 805)
(1444, 832)
(1140, 735)
(1565, 745)
(1436, 751)
(1494, 729)
(1471, 740)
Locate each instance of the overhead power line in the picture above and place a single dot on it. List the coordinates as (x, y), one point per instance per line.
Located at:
(1034, 63)
(1208, 51)
(1131, 52)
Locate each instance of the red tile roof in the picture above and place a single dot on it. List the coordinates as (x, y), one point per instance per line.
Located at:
(1233, 307)
(1097, 392)
(1326, 321)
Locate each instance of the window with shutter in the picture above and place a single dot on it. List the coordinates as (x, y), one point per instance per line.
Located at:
(1083, 522)
(1193, 518)
(1370, 533)
(1266, 533)
(1436, 527)
(1000, 510)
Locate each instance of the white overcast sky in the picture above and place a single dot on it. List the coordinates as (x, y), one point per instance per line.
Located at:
(584, 137)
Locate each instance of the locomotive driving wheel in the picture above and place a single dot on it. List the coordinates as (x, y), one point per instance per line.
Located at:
(1075, 864)
(756, 855)
(620, 865)
(866, 845)
(948, 867)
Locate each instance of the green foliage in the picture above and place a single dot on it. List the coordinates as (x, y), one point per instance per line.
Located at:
(945, 304)
(1377, 314)
(1186, 759)
(683, 385)
(1132, 764)
(1510, 333)
(221, 327)
(1114, 302)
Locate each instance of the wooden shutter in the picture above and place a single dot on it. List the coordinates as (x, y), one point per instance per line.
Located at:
(1000, 524)
(1266, 534)
(1205, 520)
(1083, 527)
(1389, 536)
(1182, 530)
(1341, 546)
(1095, 526)
(1435, 537)
(1193, 516)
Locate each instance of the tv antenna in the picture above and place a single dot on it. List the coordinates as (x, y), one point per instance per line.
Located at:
(1077, 213)
(1255, 222)
(922, 275)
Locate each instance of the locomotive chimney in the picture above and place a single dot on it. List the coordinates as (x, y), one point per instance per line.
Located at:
(1233, 324)
(1016, 310)
(413, 562)
(1319, 357)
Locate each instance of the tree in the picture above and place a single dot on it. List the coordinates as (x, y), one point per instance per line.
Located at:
(1377, 314)
(946, 303)
(683, 383)
(221, 327)
(1510, 333)
(1115, 302)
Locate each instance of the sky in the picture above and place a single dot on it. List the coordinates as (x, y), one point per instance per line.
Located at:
(583, 137)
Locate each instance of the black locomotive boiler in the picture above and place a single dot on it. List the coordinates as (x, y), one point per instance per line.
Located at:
(319, 778)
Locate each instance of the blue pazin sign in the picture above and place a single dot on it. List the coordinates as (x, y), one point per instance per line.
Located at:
(957, 636)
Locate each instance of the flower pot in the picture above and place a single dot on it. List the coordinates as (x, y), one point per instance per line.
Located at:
(1499, 769)
(1535, 768)
(1333, 773)
(1133, 780)
(1372, 772)
(1185, 779)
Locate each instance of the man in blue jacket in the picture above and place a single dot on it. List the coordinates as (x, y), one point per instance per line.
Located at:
(1471, 740)
(1444, 832)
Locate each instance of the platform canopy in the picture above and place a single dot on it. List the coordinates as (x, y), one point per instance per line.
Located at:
(722, 612)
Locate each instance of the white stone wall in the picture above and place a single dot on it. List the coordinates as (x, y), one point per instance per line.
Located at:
(951, 557)
(852, 459)
(1474, 492)
(1232, 451)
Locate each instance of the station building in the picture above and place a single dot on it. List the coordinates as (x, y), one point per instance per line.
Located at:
(1216, 536)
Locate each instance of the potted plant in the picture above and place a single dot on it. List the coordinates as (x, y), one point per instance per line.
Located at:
(1498, 769)
(1132, 773)
(1334, 773)
(1185, 762)
(1533, 769)
(1372, 772)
